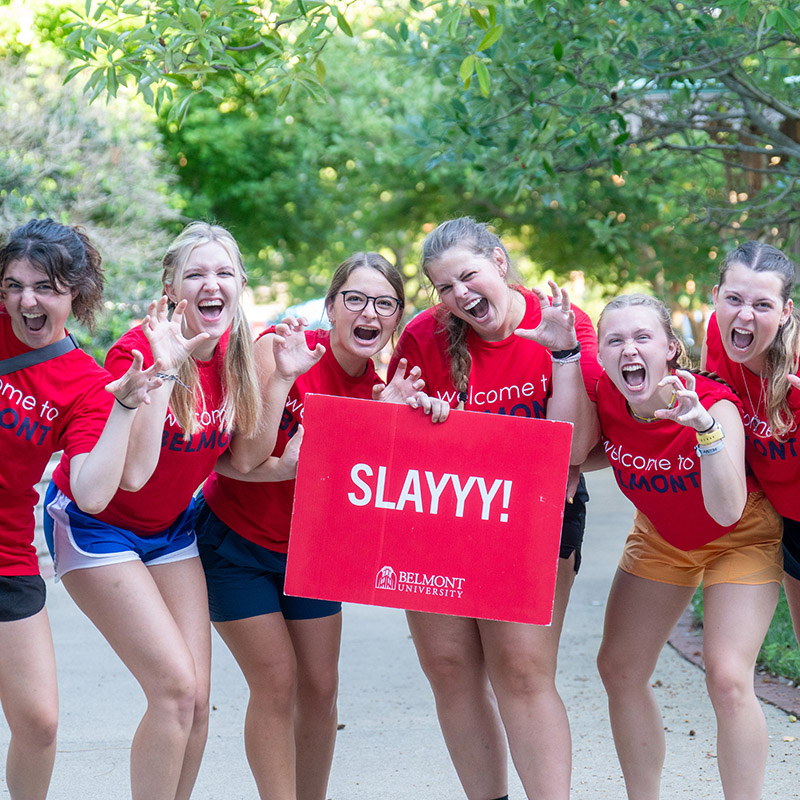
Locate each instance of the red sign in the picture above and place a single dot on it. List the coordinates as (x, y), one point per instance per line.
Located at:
(461, 518)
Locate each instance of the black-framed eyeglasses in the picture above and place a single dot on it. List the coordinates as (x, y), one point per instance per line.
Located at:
(384, 306)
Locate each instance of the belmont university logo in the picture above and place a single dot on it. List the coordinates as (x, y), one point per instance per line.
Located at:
(419, 583)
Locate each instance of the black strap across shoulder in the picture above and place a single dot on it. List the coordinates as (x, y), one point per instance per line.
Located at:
(39, 355)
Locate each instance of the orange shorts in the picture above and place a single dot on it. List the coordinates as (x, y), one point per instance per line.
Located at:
(750, 554)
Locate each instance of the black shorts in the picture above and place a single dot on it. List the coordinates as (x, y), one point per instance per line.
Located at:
(791, 547)
(21, 596)
(574, 524)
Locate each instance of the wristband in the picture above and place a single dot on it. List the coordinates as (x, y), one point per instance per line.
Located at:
(714, 434)
(709, 450)
(563, 355)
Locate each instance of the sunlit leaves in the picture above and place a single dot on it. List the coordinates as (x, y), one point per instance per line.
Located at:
(170, 50)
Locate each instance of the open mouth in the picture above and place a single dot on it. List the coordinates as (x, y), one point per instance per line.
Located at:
(478, 308)
(634, 375)
(364, 334)
(34, 322)
(741, 338)
(211, 309)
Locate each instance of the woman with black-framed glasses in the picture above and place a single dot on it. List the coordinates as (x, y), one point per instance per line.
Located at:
(288, 647)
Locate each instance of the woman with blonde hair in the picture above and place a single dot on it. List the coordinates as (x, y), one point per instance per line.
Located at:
(134, 568)
(675, 442)
(753, 342)
(288, 647)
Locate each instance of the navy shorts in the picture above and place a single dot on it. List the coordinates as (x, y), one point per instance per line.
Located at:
(244, 579)
(574, 524)
(21, 596)
(791, 547)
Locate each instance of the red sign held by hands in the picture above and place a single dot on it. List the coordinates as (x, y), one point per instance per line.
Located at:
(458, 518)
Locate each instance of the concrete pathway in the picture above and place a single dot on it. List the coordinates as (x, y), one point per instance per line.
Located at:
(390, 746)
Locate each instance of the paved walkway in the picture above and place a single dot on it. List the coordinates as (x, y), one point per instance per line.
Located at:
(390, 746)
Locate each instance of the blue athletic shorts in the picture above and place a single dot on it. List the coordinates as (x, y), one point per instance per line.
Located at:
(77, 540)
(244, 579)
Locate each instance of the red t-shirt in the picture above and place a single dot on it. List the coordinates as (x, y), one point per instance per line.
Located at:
(511, 376)
(183, 463)
(58, 404)
(261, 512)
(775, 464)
(656, 467)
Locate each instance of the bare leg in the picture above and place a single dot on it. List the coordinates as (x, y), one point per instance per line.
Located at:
(521, 663)
(451, 656)
(791, 586)
(29, 695)
(735, 621)
(640, 616)
(183, 586)
(125, 604)
(316, 646)
(265, 654)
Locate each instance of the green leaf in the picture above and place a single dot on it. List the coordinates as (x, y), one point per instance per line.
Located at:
(540, 9)
(478, 19)
(192, 18)
(467, 67)
(483, 77)
(490, 38)
(111, 72)
(790, 18)
(284, 93)
(558, 50)
(343, 24)
(320, 70)
(492, 16)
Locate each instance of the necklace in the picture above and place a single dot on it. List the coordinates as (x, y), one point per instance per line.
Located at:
(754, 408)
(670, 405)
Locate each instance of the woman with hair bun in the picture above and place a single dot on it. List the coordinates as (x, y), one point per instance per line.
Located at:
(675, 442)
(288, 647)
(134, 569)
(753, 342)
(490, 337)
(53, 396)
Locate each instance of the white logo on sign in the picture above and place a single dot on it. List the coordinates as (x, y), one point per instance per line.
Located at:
(386, 579)
(419, 583)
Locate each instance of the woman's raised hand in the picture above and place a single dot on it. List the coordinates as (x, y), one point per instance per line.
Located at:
(134, 387)
(290, 349)
(165, 335)
(687, 409)
(402, 387)
(556, 331)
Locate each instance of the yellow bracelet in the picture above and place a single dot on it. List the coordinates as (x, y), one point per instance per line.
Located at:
(706, 438)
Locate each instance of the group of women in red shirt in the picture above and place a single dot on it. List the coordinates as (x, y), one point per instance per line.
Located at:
(189, 399)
